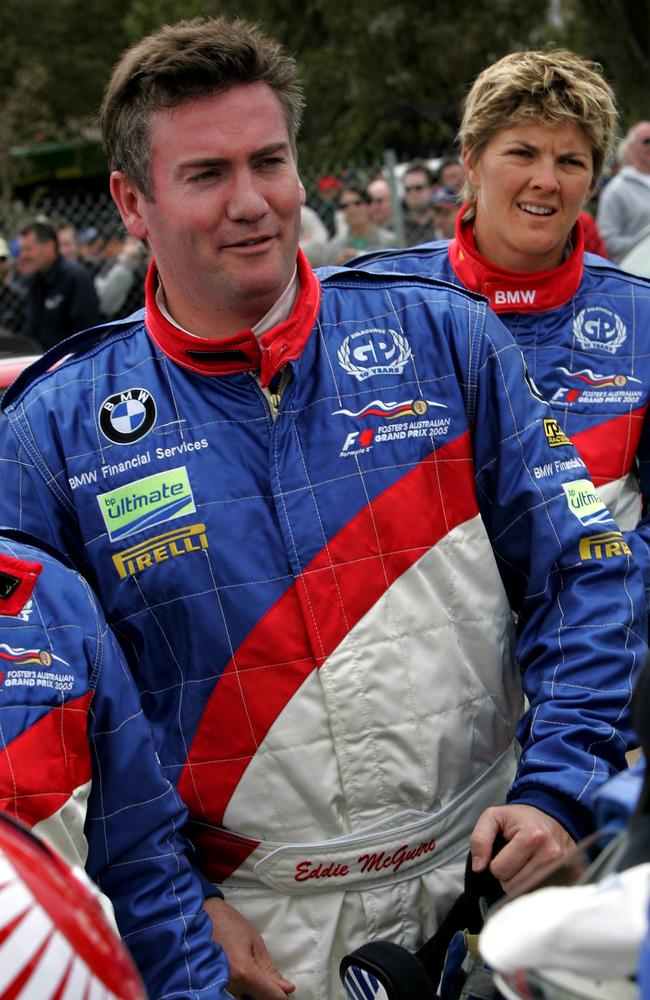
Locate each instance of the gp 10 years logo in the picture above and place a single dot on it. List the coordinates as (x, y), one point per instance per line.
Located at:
(126, 417)
(599, 329)
(374, 352)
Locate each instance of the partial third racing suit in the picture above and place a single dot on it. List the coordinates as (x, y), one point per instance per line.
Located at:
(78, 765)
(310, 549)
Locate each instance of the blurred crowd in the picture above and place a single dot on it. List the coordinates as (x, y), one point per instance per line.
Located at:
(56, 278)
(348, 217)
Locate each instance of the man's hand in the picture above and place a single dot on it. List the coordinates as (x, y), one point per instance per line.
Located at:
(534, 841)
(252, 972)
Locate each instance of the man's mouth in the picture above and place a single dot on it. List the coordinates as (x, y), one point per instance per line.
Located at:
(535, 209)
(254, 241)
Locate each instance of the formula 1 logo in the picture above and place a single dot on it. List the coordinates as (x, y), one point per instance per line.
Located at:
(357, 442)
(374, 352)
(128, 416)
(599, 329)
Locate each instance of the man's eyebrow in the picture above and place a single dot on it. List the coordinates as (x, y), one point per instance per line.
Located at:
(272, 147)
(203, 162)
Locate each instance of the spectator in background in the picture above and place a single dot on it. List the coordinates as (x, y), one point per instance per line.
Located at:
(381, 207)
(451, 174)
(624, 204)
(66, 235)
(419, 223)
(60, 295)
(123, 265)
(324, 202)
(12, 294)
(362, 234)
(90, 243)
(445, 209)
(313, 236)
(594, 243)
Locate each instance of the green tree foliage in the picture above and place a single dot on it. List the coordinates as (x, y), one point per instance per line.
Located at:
(378, 74)
(617, 34)
(387, 74)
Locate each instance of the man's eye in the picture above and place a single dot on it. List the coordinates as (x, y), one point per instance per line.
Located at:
(204, 175)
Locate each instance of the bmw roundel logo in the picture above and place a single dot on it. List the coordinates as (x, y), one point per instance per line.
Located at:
(127, 416)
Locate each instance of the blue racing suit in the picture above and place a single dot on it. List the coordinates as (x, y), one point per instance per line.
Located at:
(583, 329)
(311, 548)
(78, 765)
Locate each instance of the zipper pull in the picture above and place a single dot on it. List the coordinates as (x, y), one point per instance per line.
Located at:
(276, 396)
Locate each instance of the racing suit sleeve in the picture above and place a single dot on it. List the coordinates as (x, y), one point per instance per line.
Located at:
(136, 853)
(639, 538)
(577, 593)
(24, 503)
(77, 762)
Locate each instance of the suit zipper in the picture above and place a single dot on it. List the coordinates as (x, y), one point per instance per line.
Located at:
(276, 396)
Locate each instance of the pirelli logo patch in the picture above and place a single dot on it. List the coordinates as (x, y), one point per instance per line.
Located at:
(554, 434)
(160, 549)
(606, 545)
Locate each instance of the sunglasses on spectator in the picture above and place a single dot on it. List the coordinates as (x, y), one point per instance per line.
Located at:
(415, 187)
(347, 204)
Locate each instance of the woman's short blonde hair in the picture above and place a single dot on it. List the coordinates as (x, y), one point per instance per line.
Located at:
(550, 87)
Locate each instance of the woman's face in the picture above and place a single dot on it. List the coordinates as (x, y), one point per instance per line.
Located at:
(531, 182)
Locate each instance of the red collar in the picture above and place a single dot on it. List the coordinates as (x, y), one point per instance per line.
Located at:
(242, 352)
(515, 291)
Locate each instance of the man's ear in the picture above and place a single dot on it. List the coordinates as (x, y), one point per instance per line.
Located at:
(129, 200)
(303, 193)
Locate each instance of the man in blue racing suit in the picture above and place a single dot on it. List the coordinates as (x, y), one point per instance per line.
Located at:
(78, 765)
(309, 507)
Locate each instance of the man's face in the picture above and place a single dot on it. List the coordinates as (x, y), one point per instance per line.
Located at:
(68, 243)
(380, 204)
(452, 176)
(34, 256)
(225, 220)
(639, 151)
(417, 190)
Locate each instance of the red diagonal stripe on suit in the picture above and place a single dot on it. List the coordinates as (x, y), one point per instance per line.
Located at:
(41, 767)
(345, 579)
(609, 449)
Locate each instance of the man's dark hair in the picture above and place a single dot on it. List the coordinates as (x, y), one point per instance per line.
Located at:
(43, 231)
(421, 167)
(354, 188)
(182, 62)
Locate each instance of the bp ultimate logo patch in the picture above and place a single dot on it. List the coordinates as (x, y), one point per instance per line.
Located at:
(127, 416)
(145, 502)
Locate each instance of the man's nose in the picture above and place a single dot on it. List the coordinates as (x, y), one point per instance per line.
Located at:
(245, 198)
